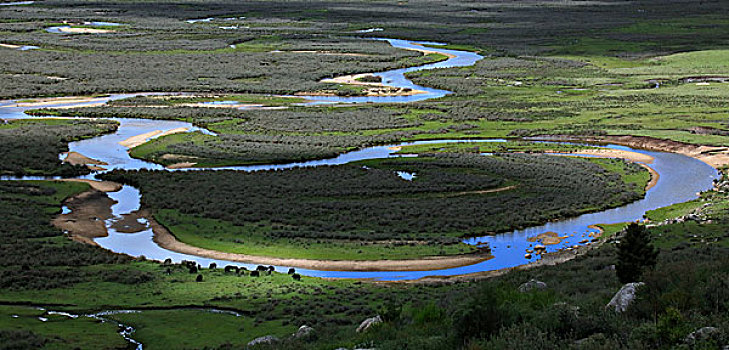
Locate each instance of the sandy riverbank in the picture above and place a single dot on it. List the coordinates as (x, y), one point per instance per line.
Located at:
(43, 102)
(615, 153)
(427, 51)
(717, 157)
(166, 240)
(376, 89)
(379, 89)
(640, 158)
(76, 30)
(141, 139)
(102, 186)
(76, 158)
(85, 222)
(547, 259)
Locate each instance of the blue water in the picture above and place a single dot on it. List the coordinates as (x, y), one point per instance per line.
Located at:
(681, 178)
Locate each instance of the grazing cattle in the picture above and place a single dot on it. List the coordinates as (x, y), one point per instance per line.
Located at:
(271, 269)
(167, 261)
(193, 269)
(296, 277)
(292, 271)
(261, 268)
(231, 268)
(213, 266)
(199, 278)
(255, 273)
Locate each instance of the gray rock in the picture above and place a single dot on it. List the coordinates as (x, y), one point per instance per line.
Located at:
(269, 339)
(700, 334)
(304, 332)
(532, 284)
(624, 297)
(366, 324)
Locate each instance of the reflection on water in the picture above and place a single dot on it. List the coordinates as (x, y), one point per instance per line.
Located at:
(14, 3)
(396, 78)
(681, 178)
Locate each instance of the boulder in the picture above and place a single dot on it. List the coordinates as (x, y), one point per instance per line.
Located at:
(267, 340)
(366, 324)
(703, 333)
(622, 299)
(532, 284)
(304, 332)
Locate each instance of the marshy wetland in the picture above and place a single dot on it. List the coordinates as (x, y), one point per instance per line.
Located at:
(476, 148)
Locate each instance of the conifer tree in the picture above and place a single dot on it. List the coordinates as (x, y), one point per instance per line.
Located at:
(635, 254)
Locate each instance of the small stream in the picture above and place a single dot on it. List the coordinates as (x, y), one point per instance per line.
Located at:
(681, 178)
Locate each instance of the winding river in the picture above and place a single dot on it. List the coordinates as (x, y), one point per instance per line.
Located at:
(681, 178)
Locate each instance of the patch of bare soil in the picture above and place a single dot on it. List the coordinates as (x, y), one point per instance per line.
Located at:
(85, 222)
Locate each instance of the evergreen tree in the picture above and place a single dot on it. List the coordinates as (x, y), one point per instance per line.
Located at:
(635, 253)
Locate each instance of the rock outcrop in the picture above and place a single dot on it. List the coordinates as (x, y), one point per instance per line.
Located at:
(531, 285)
(366, 324)
(304, 332)
(265, 340)
(624, 297)
(703, 333)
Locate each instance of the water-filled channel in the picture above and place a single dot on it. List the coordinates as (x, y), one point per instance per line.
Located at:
(681, 178)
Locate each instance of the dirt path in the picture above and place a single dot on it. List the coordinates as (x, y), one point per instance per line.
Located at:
(326, 53)
(166, 240)
(493, 190)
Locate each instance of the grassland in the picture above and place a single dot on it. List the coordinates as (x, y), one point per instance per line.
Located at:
(500, 97)
(574, 68)
(174, 311)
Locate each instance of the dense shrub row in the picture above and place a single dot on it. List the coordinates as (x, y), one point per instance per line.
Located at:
(30, 252)
(32, 147)
(371, 202)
